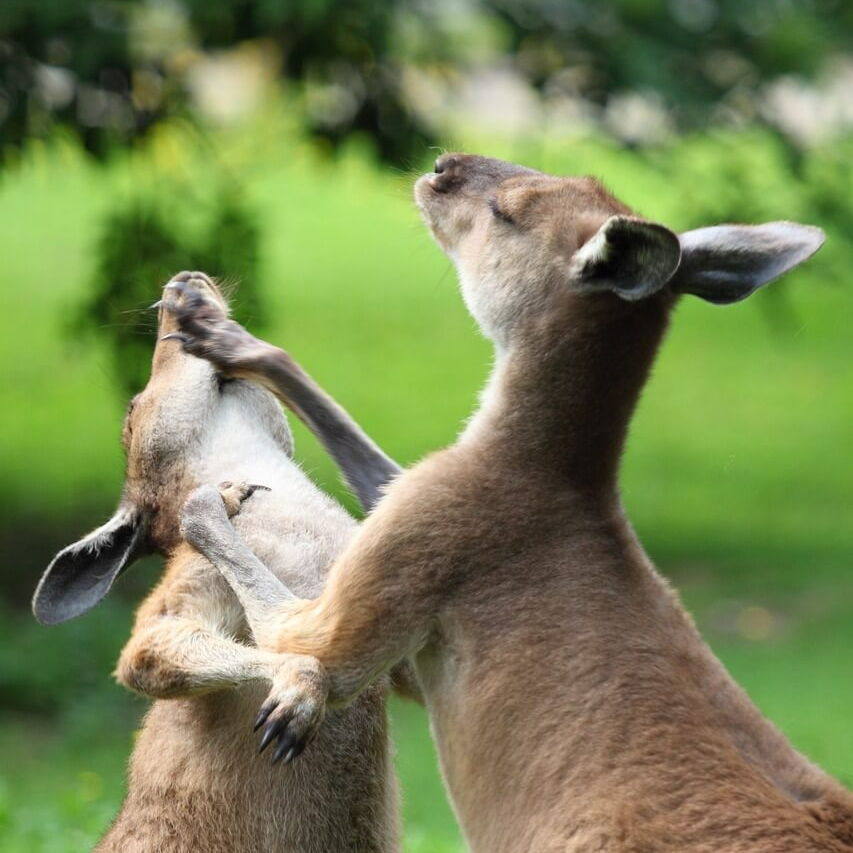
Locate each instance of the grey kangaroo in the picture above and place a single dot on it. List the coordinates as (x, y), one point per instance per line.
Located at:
(194, 784)
(574, 705)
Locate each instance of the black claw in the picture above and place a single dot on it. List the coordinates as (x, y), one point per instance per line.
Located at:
(296, 751)
(267, 739)
(176, 336)
(285, 747)
(255, 487)
(262, 718)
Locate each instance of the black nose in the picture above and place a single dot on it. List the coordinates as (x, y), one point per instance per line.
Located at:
(444, 163)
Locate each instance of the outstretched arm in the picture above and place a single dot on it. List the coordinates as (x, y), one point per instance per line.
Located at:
(364, 624)
(207, 332)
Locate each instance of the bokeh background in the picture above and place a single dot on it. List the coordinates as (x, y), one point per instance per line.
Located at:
(274, 143)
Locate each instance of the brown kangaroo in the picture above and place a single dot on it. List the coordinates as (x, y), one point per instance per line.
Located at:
(194, 784)
(574, 705)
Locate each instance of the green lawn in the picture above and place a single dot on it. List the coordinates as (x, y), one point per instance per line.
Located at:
(738, 475)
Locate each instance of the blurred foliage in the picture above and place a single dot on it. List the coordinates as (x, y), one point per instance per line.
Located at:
(105, 68)
(65, 62)
(34, 680)
(695, 53)
(112, 69)
(146, 240)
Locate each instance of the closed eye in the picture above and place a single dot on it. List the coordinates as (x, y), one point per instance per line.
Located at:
(127, 428)
(498, 213)
(132, 405)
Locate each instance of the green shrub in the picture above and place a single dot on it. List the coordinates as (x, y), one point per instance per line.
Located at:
(147, 239)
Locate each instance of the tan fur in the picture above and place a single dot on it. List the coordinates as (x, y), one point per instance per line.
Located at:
(574, 705)
(195, 781)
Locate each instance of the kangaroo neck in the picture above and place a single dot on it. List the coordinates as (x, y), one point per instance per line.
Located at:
(561, 395)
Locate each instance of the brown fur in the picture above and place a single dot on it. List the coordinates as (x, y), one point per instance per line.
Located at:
(195, 783)
(574, 705)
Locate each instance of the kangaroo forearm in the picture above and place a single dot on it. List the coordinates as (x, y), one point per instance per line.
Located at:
(363, 464)
(358, 629)
(354, 644)
(257, 588)
(178, 658)
(208, 333)
(207, 528)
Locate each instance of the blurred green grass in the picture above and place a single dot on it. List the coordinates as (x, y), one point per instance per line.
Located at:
(738, 475)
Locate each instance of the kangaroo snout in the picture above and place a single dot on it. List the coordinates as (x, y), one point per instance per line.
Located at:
(448, 173)
(452, 171)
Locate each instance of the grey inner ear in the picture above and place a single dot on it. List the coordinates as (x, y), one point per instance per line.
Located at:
(726, 263)
(82, 574)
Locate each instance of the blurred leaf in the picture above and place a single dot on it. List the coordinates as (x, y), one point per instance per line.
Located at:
(143, 243)
(694, 55)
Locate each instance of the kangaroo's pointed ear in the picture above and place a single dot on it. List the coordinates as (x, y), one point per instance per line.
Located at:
(629, 256)
(726, 263)
(80, 575)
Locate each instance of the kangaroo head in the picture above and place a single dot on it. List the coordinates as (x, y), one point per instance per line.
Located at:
(186, 427)
(524, 242)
